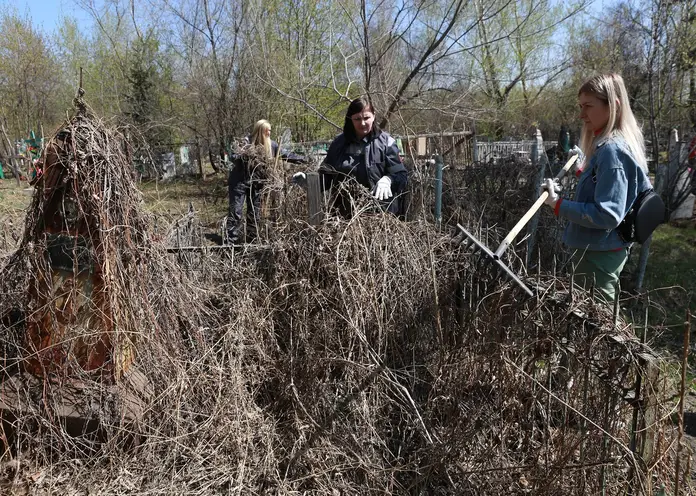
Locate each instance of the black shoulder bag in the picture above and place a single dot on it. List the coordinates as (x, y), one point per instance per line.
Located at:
(646, 213)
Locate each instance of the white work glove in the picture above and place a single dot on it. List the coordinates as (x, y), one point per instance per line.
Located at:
(553, 187)
(383, 189)
(580, 162)
(299, 178)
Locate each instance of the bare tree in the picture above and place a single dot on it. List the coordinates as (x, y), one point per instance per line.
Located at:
(209, 41)
(298, 50)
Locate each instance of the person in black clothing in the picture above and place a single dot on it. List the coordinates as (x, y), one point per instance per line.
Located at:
(245, 183)
(365, 154)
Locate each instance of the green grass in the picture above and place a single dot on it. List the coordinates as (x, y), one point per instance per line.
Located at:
(171, 199)
(168, 201)
(14, 200)
(670, 277)
(670, 283)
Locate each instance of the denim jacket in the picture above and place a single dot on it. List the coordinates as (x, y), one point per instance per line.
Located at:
(605, 193)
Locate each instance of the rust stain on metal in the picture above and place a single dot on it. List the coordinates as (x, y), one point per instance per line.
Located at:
(72, 325)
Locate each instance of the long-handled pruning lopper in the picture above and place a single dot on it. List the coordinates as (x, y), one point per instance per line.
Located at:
(494, 258)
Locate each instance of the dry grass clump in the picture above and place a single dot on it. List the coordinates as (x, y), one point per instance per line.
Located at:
(96, 315)
(376, 381)
(339, 363)
(85, 218)
(332, 360)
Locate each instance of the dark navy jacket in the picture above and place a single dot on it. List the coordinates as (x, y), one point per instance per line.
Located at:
(367, 160)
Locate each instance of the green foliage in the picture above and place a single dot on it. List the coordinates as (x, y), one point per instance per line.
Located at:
(645, 43)
(148, 79)
(296, 53)
(27, 76)
(179, 71)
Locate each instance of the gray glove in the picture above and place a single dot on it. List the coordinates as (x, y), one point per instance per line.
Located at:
(383, 189)
(580, 162)
(553, 187)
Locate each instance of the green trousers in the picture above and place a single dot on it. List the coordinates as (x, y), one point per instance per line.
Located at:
(601, 268)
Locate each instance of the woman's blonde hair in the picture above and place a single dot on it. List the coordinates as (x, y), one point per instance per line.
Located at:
(258, 136)
(610, 89)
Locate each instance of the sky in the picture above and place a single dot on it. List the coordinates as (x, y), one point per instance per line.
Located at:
(46, 14)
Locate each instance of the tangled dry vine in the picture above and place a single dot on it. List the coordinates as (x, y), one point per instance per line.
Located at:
(333, 359)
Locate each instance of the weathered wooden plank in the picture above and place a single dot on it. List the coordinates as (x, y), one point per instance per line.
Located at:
(75, 404)
(205, 248)
(315, 215)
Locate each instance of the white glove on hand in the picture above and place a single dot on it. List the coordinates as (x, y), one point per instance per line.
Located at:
(580, 162)
(383, 189)
(553, 187)
(299, 178)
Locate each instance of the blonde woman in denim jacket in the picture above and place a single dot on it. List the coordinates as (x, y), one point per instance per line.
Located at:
(610, 177)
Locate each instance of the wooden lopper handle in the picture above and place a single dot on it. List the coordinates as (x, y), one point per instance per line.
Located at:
(533, 210)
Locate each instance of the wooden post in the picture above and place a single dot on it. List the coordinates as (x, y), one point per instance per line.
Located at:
(200, 159)
(13, 153)
(315, 215)
(474, 148)
(211, 157)
(650, 402)
(685, 364)
(637, 403)
(17, 168)
(669, 184)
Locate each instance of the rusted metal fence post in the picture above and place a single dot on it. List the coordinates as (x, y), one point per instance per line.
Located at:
(537, 160)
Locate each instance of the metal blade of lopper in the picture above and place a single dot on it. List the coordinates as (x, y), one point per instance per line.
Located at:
(472, 243)
(488, 263)
(506, 273)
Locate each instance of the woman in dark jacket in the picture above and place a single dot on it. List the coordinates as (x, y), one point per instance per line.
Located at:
(366, 154)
